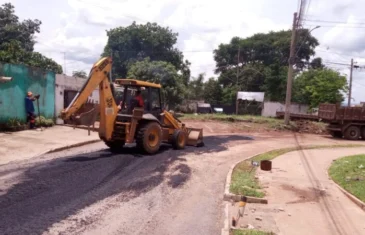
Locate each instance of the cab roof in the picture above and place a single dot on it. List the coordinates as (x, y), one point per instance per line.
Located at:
(135, 82)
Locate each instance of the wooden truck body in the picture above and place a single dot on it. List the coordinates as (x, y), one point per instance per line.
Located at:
(348, 122)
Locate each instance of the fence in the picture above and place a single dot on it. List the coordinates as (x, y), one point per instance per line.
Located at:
(13, 93)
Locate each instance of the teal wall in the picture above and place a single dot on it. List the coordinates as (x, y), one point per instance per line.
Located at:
(12, 94)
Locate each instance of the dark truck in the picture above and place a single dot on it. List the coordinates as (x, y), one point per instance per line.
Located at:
(343, 121)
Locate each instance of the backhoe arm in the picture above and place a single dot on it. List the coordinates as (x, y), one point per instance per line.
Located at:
(98, 76)
(98, 73)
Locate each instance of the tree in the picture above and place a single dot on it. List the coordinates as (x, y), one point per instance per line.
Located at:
(17, 41)
(317, 86)
(133, 43)
(196, 88)
(80, 74)
(212, 92)
(260, 61)
(163, 73)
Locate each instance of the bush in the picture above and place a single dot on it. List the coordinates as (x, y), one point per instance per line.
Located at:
(42, 121)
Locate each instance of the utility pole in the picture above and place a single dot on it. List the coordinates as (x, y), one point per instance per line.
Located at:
(290, 71)
(64, 62)
(238, 71)
(350, 85)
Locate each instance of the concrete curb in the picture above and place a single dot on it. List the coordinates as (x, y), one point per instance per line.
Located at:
(68, 147)
(226, 229)
(236, 198)
(230, 196)
(354, 199)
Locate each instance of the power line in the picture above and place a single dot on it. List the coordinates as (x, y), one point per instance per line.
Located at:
(335, 22)
(339, 26)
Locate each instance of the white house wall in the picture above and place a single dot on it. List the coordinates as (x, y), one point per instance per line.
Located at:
(270, 108)
(64, 82)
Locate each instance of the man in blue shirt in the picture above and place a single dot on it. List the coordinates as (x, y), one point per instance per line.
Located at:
(29, 107)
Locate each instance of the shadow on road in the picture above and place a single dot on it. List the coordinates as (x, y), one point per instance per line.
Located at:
(50, 192)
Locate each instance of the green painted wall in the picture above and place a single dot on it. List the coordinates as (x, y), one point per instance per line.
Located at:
(12, 94)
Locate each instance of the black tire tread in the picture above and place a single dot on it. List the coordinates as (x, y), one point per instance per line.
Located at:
(140, 136)
(175, 138)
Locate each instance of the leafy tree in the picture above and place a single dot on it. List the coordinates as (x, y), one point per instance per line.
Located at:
(267, 49)
(196, 88)
(163, 73)
(261, 61)
(212, 92)
(133, 43)
(275, 82)
(80, 74)
(17, 41)
(319, 86)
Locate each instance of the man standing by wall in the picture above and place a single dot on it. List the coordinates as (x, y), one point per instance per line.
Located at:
(29, 108)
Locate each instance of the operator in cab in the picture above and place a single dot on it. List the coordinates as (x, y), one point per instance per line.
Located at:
(135, 102)
(138, 97)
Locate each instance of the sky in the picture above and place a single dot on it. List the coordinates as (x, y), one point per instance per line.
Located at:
(73, 32)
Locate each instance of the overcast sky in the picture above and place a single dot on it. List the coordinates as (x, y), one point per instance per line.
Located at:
(73, 31)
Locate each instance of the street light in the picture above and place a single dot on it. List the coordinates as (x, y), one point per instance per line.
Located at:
(306, 39)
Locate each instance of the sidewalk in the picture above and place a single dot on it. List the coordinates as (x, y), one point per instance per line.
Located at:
(23, 145)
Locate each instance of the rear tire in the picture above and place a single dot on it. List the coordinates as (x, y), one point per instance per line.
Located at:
(179, 139)
(149, 137)
(352, 133)
(336, 134)
(115, 146)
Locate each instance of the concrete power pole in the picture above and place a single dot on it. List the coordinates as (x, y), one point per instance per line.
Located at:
(290, 71)
(350, 83)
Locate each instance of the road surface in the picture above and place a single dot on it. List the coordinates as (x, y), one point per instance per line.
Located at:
(304, 200)
(88, 190)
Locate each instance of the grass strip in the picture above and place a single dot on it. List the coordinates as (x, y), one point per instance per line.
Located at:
(243, 176)
(250, 232)
(349, 173)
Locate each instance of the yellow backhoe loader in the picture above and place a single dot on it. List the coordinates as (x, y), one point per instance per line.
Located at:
(148, 126)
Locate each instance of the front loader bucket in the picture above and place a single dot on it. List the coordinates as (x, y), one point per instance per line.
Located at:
(195, 137)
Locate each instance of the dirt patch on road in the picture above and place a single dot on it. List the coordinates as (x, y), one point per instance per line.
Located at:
(304, 195)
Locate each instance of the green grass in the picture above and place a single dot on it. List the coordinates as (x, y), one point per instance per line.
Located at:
(348, 173)
(243, 176)
(250, 232)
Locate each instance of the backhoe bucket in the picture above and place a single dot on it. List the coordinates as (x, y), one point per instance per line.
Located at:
(195, 137)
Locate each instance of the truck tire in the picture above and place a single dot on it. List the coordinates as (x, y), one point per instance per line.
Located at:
(336, 134)
(352, 133)
(115, 146)
(149, 137)
(179, 139)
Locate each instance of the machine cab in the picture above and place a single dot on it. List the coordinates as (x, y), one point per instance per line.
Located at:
(129, 92)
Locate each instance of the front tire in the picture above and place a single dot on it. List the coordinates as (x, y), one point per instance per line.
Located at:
(179, 139)
(149, 137)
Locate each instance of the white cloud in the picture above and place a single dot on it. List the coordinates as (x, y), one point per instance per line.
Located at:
(77, 27)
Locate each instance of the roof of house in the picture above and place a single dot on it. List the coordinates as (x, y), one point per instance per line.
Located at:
(257, 96)
(134, 82)
(203, 105)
